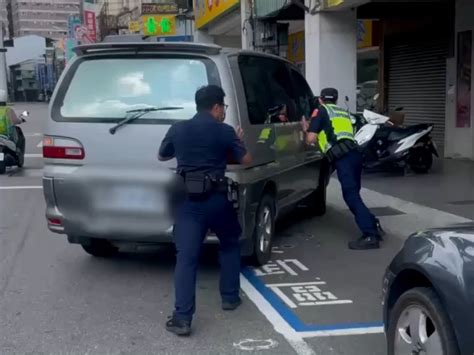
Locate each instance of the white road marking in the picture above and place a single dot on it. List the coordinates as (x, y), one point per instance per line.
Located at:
(284, 297)
(284, 265)
(21, 187)
(298, 284)
(253, 344)
(40, 145)
(323, 303)
(280, 325)
(342, 332)
(33, 134)
(33, 155)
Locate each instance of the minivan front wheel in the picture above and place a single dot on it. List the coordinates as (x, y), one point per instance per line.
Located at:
(100, 248)
(264, 231)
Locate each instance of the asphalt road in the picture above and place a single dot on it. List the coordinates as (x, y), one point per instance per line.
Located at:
(315, 297)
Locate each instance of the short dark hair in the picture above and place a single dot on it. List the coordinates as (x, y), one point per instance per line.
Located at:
(208, 96)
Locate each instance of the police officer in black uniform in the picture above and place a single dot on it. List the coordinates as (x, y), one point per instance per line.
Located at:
(201, 147)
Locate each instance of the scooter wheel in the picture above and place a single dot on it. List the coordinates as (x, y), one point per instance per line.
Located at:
(420, 160)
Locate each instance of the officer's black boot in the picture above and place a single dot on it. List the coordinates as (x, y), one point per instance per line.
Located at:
(230, 306)
(365, 243)
(178, 326)
(380, 230)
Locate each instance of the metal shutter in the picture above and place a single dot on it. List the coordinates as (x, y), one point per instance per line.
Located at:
(417, 81)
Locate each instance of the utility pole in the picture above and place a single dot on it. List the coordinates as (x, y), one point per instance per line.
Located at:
(3, 68)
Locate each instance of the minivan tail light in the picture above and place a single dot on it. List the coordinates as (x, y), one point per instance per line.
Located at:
(62, 148)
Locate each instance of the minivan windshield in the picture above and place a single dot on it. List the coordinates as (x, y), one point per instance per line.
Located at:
(104, 89)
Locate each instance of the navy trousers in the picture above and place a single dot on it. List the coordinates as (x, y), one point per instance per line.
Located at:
(349, 172)
(193, 220)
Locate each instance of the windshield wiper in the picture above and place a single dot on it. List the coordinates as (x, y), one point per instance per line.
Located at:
(133, 115)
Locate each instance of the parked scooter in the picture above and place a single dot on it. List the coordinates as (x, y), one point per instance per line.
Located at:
(12, 146)
(385, 145)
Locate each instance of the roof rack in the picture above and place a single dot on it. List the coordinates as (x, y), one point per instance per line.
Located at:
(139, 42)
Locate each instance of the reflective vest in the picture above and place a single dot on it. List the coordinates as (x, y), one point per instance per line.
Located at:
(5, 123)
(341, 125)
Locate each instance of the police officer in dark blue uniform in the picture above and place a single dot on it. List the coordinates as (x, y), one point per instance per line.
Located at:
(201, 147)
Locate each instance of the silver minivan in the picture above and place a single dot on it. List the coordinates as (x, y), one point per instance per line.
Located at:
(105, 191)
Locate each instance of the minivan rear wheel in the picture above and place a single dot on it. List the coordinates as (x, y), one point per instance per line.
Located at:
(264, 231)
(100, 248)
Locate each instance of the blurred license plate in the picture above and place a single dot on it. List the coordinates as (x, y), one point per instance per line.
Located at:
(137, 199)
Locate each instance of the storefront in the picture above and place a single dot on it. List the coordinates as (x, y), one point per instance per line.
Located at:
(219, 22)
(460, 101)
(415, 44)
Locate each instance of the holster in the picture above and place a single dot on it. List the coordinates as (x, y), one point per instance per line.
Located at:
(198, 185)
(340, 149)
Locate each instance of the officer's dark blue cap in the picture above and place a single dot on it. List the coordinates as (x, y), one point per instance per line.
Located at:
(329, 94)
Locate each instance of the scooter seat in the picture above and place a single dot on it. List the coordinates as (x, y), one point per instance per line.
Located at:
(6, 142)
(398, 133)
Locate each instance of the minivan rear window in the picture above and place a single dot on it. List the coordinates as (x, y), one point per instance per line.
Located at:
(104, 89)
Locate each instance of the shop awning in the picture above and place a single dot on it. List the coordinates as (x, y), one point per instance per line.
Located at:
(288, 12)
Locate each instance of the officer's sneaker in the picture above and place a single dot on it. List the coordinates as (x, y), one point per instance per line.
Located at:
(178, 326)
(365, 243)
(231, 306)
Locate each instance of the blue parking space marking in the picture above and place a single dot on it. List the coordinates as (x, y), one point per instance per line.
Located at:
(290, 317)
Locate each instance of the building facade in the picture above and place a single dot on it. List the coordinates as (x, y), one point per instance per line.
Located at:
(4, 17)
(42, 17)
(415, 54)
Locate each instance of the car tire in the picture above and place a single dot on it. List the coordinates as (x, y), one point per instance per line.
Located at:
(420, 307)
(3, 167)
(100, 248)
(264, 231)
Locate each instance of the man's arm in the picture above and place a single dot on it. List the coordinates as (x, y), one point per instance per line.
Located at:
(166, 151)
(236, 146)
(315, 126)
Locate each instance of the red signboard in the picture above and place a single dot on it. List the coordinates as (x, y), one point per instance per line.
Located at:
(91, 25)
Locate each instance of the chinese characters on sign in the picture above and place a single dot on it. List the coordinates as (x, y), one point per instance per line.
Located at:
(464, 77)
(207, 10)
(90, 24)
(134, 27)
(155, 9)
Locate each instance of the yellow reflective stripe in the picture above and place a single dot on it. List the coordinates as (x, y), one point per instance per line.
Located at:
(341, 124)
(4, 122)
(265, 133)
(323, 141)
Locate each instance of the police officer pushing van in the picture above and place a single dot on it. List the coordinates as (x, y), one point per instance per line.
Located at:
(331, 126)
(201, 147)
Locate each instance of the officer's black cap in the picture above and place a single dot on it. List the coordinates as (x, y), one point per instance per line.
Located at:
(329, 94)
